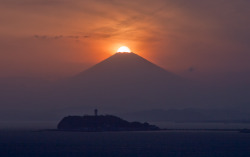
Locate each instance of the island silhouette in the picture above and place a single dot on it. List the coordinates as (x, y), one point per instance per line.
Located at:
(94, 123)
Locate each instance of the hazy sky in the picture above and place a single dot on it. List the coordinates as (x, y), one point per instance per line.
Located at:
(54, 38)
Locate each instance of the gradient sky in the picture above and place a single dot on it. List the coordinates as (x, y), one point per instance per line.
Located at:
(58, 38)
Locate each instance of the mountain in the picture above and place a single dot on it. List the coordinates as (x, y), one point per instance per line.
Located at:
(124, 81)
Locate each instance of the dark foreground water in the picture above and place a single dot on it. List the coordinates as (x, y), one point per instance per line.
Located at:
(130, 144)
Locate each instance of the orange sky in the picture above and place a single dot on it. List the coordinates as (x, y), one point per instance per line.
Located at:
(58, 38)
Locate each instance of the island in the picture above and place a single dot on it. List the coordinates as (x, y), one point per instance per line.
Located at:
(99, 123)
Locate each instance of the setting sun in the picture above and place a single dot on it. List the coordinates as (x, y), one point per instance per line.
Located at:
(124, 49)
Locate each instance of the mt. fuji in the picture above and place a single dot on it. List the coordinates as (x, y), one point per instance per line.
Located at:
(124, 81)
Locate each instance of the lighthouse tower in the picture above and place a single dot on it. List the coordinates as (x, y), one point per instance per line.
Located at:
(96, 112)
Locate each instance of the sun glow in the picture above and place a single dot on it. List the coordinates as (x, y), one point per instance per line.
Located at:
(124, 49)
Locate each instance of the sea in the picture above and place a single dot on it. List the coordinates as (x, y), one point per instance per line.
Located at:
(167, 143)
(124, 144)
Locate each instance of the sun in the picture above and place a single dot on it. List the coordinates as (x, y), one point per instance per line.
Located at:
(124, 49)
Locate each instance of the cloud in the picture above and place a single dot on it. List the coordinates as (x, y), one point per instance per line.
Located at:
(41, 37)
(56, 37)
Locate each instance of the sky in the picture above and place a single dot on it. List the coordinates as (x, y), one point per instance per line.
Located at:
(49, 40)
(52, 39)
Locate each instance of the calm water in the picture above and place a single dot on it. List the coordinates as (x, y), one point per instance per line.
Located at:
(130, 144)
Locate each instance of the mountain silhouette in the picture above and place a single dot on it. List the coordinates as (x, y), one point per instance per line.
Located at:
(126, 66)
(124, 81)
